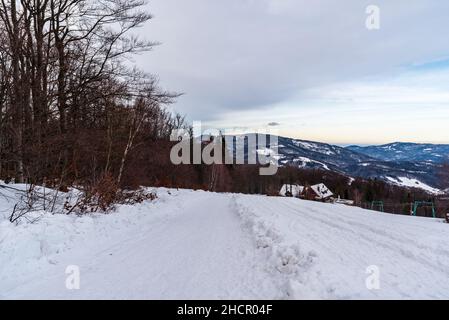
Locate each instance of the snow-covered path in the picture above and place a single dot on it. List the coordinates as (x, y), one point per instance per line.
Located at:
(345, 245)
(198, 245)
(198, 251)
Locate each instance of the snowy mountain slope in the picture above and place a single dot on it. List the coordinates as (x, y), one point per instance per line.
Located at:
(309, 154)
(398, 151)
(413, 183)
(195, 245)
(350, 162)
(422, 173)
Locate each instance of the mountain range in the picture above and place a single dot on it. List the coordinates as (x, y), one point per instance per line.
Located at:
(405, 164)
(399, 151)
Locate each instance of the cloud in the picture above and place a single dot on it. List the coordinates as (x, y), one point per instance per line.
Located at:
(274, 124)
(240, 56)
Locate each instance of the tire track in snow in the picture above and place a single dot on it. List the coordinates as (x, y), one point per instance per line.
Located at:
(286, 262)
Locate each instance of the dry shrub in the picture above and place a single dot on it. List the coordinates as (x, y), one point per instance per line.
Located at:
(134, 197)
(272, 191)
(104, 195)
(100, 196)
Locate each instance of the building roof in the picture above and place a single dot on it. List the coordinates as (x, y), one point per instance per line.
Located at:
(295, 189)
(322, 191)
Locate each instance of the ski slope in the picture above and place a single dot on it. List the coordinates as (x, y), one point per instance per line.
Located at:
(199, 245)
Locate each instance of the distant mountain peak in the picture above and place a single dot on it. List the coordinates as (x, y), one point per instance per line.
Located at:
(406, 151)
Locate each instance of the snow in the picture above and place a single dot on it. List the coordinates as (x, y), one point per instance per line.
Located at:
(200, 245)
(269, 153)
(351, 181)
(187, 245)
(344, 201)
(365, 164)
(305, 161)
(314, 147)
(413, 183)
(323, 251)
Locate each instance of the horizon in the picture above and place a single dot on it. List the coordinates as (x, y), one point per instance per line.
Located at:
(340, 144)
(320, 74)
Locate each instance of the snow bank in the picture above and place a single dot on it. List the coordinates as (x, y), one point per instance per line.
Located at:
(30, 248)
(286, 261)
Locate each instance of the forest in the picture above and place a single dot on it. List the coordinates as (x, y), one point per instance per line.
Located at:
(72, 108)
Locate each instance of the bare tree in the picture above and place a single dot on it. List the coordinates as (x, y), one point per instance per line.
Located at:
(63, 81)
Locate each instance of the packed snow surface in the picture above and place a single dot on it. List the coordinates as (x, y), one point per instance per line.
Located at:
(199, 245)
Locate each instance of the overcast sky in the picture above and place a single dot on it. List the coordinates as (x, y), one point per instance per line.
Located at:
(310, 68)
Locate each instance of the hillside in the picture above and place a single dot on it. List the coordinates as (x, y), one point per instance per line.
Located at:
(198, 245)
(398, 151)
(393, 163)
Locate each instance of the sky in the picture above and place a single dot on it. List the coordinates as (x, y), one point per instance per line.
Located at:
(308, 69)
